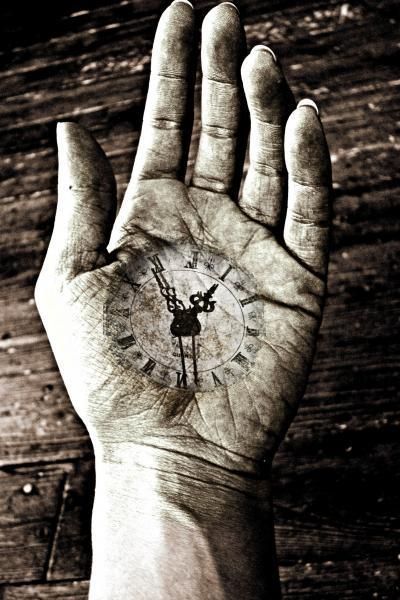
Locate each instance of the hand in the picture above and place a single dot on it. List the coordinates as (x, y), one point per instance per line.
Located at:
(278, 231)
(282, 241)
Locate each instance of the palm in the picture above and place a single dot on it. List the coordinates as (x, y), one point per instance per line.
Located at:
(244, 421)
(234, 426)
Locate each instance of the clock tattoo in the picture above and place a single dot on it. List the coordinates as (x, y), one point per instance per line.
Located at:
(187, 318)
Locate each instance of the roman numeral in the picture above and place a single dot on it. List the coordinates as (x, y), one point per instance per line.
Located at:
(122, 312)
(225, 273)
(217, 381)
(158, 266)
(254, 332)
(249, 300)
(181, 380)
(192, 264)
(148, 367)
(127, 342)
(242, 361)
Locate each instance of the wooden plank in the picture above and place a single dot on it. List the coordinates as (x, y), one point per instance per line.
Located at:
(337, 502)
(37, 421)
(45, 516)
(74, 590)
(29, 502)
(71, 555)
(360, 580)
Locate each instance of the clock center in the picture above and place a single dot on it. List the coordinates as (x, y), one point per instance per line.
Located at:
(203, 308)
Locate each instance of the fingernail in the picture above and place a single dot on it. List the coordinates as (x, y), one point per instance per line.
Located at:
(267, 48)
(230, 4)
(182, 2)
(308, 102)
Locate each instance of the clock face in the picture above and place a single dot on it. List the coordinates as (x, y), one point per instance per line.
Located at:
(187, 318)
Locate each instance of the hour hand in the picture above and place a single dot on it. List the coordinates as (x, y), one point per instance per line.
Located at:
(202, 302)
(210, 292)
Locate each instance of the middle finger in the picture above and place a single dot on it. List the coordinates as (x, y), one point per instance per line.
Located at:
(222, 46)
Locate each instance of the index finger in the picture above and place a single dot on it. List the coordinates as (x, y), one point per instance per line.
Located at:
(163, 139)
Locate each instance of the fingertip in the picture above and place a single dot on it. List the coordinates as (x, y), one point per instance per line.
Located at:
(182, 2)
(65, 135)
(71, 132)
(62, 130)
(223, 43)
(264, 48)
(267, 92)
(261, 72)
(82, 161)
(180, 11)
(232, 4)
(221, 15)
(173, 42)
(221, 8)
(175, 29)
(61, 126)
(306, 151)
(257, 57)
(307, 102)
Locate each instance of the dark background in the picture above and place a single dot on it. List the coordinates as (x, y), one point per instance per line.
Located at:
(337, 480)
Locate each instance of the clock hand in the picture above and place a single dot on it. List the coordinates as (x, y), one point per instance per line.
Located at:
(202, 301)
(168, 292)
(194, 358)
(184, 374)
(209, 294)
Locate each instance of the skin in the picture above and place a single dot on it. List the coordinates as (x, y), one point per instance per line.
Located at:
(183, 505)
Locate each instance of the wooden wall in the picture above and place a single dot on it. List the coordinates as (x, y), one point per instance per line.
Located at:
(337, 478)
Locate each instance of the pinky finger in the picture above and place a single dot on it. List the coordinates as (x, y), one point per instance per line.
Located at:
(307, 224)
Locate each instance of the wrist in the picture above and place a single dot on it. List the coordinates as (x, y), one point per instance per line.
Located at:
(171, 472)
(175, 518)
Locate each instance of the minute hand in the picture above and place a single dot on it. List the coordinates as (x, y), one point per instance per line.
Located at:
(168, 292)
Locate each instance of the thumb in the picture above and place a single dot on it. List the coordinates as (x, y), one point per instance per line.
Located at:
(86, 204)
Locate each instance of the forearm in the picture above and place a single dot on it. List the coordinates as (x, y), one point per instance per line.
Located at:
(173, 528)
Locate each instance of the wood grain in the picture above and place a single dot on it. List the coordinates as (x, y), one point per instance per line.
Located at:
(74, 590)
(336, 474)
(29, 508)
